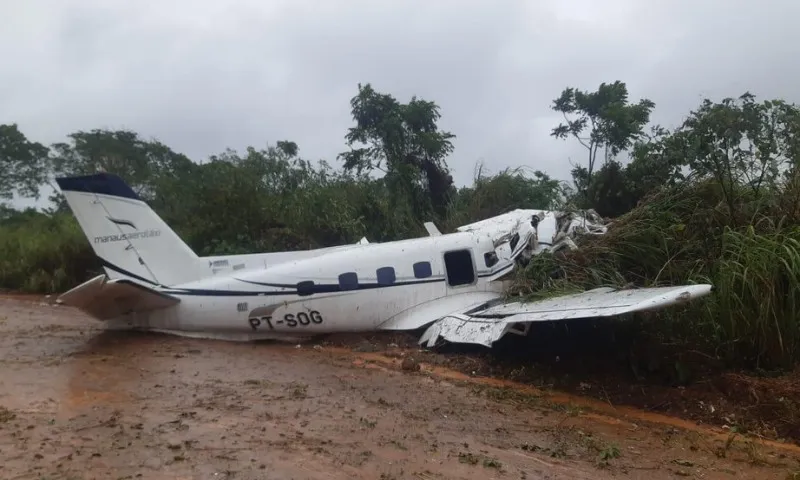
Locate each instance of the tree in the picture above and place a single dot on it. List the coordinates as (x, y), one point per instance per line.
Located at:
(492, 195)
(742, 142)
(744, 146)
(121, 152)
(23, 164)
(612, 122)
(143, 164)
(403, 141)
(657, 161)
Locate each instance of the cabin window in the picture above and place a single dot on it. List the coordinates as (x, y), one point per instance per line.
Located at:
(490, 258)
(348, 281)
(305, 288)
(422, 269)
(460, 270)
(514, 241)
(385, 275)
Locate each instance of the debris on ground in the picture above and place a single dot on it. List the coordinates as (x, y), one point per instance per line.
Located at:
(409, 364)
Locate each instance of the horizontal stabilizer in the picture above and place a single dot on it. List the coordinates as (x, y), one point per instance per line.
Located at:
(105, 299)
(487, 326)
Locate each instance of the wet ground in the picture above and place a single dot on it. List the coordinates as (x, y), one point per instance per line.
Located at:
(77, 402)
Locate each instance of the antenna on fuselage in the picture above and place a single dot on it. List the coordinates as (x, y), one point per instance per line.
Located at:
(432, 230)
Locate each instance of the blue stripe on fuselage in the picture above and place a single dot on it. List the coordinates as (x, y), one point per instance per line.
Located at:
(307, 291)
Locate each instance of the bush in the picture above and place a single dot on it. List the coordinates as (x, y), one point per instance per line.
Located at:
(44, 254)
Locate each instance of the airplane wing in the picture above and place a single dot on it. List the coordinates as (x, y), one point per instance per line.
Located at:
(489, 325)
(105, 299)
(425, 313)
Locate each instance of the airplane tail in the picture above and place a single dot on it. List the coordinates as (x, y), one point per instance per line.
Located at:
(130, 239)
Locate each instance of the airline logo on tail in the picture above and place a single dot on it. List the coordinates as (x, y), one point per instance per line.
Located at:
(119, 221)
(126, 236)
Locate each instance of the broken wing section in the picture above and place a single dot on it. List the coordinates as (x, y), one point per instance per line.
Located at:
(487, 326)
(105, 299)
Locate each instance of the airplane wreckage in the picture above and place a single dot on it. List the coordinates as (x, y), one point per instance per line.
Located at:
(453, 284)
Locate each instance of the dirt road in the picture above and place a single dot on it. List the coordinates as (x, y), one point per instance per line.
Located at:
(77, 402)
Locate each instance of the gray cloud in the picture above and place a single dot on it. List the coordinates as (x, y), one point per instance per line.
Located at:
(202, 76)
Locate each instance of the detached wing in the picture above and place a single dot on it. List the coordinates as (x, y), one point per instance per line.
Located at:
(489, 325)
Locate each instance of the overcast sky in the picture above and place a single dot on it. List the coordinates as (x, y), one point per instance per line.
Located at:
(204, 75)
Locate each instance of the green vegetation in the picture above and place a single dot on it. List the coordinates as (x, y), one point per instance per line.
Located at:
(730, 218)
(716, 199)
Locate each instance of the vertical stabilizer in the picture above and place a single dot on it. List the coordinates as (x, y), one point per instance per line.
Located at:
(131, 240)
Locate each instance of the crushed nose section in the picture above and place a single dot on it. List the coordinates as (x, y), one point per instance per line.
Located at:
(520, 234)
(570, 225)
(512, 235)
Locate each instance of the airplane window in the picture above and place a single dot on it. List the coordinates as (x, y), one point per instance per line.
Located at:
(514, 241)
(460, 270)
(422, 270)
(490, 258)
(386, 276)
(348, 281)
(305, 288)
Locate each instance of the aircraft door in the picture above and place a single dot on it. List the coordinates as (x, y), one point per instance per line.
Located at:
(460, 270)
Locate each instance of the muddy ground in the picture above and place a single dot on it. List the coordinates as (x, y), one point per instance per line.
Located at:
(77, 402)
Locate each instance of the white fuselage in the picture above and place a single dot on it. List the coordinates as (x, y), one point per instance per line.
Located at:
(153, 280)
(351, 288)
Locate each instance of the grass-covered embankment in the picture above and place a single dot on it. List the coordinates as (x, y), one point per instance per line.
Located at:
(689, 234)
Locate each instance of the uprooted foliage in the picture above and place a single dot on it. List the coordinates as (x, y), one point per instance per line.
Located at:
(690, 234)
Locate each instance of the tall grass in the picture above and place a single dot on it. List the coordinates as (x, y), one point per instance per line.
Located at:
(758, 295)
(44, 254)
(689, 234)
